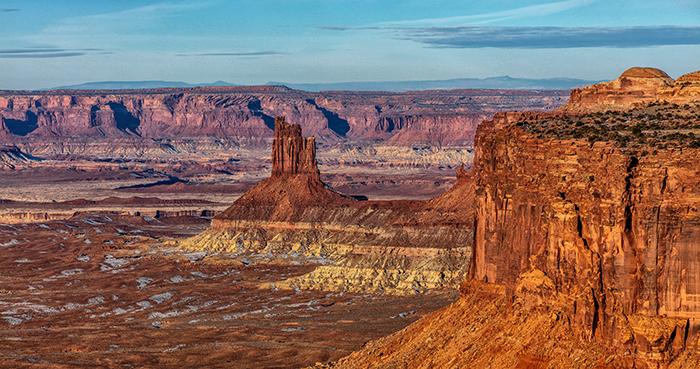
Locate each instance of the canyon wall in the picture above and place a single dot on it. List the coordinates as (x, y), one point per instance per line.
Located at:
(607, 229)
(64, 122)
(586, 240)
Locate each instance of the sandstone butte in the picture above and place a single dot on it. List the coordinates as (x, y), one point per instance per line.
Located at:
(587, 239)
(636, 86)
(398, 247)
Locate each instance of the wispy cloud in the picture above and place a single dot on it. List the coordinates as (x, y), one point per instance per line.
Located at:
(9, 10)
(234, 53)
(473, 19)
(352, 28)
(552, 37)
(41, 55)
(127, 21)
(510, 14)
(477, 31)
(46, 53)
(126, 29)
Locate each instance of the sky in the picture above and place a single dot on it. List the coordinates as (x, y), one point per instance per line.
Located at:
(47, 43)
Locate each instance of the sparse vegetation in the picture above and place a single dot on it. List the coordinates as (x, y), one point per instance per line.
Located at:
(654, 126)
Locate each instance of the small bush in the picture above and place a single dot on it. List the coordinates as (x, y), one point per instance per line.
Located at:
(637, 130)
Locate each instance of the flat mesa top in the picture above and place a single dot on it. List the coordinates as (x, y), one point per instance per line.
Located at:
(641, 72)
(655, 125)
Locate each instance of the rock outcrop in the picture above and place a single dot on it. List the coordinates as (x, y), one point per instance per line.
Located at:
(635, 86)
(685, 89)
(395, 247)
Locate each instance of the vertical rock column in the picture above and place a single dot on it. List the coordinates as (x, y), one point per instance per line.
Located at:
(292, 153)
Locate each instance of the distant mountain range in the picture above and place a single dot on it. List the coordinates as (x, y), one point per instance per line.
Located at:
(137, 85)
(503, 82)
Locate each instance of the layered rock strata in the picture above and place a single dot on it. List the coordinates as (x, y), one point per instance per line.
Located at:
(604, 224)
(586, 246)
(11, 157)
(636, 86)
(63, 122)
(388, 246)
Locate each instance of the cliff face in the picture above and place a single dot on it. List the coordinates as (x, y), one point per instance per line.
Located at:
(246, 113)
(586, 245)
(612, 233)
(635, 86)
(383, 246)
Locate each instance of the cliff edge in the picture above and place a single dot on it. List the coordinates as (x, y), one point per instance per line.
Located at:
(586, 240)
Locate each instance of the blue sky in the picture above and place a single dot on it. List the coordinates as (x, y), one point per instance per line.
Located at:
(56, 42)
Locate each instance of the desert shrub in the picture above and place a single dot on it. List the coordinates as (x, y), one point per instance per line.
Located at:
(637, 130)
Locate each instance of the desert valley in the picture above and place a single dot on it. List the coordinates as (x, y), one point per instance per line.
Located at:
(276, 184)
(155, 229)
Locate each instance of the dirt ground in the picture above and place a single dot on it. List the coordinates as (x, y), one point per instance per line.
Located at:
(101, 290)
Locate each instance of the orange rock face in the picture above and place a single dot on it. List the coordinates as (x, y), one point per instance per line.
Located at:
(635, 86)
(614, 232)
(587, 236)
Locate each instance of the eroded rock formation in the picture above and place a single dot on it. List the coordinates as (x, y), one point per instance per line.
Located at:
(635, 86)
(608, 227)
(61, 122)
(587, 243)
(11, 156)
(292, 153)
(386, 246)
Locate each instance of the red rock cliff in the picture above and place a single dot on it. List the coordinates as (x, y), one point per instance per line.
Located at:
(587, 232)
(611, 232)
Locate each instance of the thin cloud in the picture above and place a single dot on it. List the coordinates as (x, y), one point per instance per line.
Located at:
(251, 53)
(9, 10)
(473, 19)
(45, 53)
(41, 55)
(510, 14)
(552, 37)
(349, 28)
(30, 51)
(123, 21)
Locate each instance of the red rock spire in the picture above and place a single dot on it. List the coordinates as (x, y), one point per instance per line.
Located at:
(292, 153)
